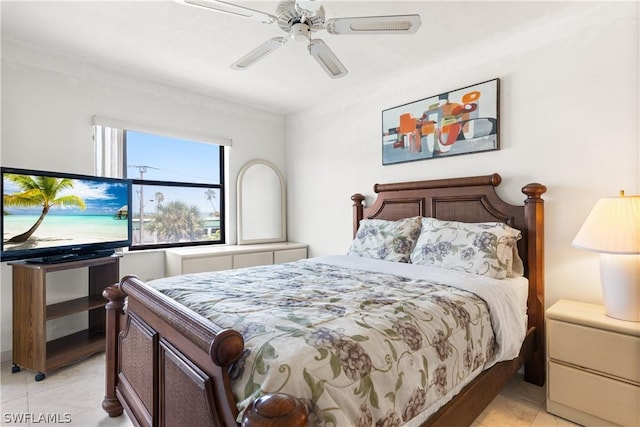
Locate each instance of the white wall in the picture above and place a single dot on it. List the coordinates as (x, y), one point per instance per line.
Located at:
(568, 119)
(47, 105)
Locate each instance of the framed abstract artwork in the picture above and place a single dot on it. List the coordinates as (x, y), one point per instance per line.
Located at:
(461, 121)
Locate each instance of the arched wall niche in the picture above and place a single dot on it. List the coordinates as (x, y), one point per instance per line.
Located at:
(262, 206)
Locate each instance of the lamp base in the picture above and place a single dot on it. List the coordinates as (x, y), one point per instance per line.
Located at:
(620, 279)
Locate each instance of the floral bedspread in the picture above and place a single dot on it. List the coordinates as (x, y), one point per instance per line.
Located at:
(361, 348)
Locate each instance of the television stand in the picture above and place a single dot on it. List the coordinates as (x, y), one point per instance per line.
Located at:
(31, 313)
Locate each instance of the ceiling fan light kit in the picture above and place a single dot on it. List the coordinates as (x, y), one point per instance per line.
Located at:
(300, 32)
(299, 19)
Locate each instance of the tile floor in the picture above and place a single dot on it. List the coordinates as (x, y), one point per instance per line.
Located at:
(74, 394)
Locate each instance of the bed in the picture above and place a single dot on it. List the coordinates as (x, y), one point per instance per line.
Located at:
(166, 364)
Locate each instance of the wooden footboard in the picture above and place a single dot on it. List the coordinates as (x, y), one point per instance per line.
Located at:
(165, 364)
(168, 366)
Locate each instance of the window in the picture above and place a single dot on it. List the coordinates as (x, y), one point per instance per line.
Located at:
(178, 186)
(178, 194)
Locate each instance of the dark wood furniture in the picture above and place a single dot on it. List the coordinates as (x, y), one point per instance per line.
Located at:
(31, 313)
(167, 365)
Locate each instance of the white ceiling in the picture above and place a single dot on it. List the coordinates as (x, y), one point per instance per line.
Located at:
(192, 48)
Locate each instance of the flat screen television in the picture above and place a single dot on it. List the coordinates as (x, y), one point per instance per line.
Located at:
(51, 217)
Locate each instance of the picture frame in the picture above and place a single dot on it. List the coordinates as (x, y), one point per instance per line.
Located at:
(461, 121)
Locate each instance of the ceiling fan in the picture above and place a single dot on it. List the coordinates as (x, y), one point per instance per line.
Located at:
(299, 19)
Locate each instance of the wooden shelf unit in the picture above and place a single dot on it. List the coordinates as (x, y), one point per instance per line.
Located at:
(31, 313)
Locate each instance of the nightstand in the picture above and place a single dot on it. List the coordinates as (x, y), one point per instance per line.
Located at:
(593, 372)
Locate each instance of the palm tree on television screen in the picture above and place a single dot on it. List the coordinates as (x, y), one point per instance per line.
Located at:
(39, 191)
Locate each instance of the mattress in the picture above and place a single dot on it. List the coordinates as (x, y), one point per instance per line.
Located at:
(361, 341)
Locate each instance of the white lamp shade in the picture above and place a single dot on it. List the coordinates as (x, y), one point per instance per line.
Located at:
(612, 227)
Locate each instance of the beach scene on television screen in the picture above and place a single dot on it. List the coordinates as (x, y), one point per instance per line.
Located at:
(44, 211)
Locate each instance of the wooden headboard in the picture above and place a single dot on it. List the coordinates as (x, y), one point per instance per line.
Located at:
(474, 199)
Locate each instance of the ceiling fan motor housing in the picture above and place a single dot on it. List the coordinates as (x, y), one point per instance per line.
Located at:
(289, 16)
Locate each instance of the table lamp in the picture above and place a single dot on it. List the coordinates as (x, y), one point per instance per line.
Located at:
(613, 229)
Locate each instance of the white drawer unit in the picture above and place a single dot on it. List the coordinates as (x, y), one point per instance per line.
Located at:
(289, 255)
(199, 264)
(249, 260)
(197, 259)
(593, 365)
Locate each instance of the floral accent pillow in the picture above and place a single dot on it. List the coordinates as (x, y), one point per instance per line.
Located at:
(386, 240)
(480, 248)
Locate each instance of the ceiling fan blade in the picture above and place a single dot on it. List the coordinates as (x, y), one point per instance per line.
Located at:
(327, 59)
(233, 9)
(392, 24)
(258, 53)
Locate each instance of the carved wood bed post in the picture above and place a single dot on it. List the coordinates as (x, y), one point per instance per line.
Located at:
(275, 409)
(534, 218)
(114, 309)
(358, 211)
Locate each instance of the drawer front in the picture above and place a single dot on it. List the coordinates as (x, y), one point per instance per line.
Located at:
(289, 255)
(601, 397)
(250, 260)
(608, 352)
(200, 265)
